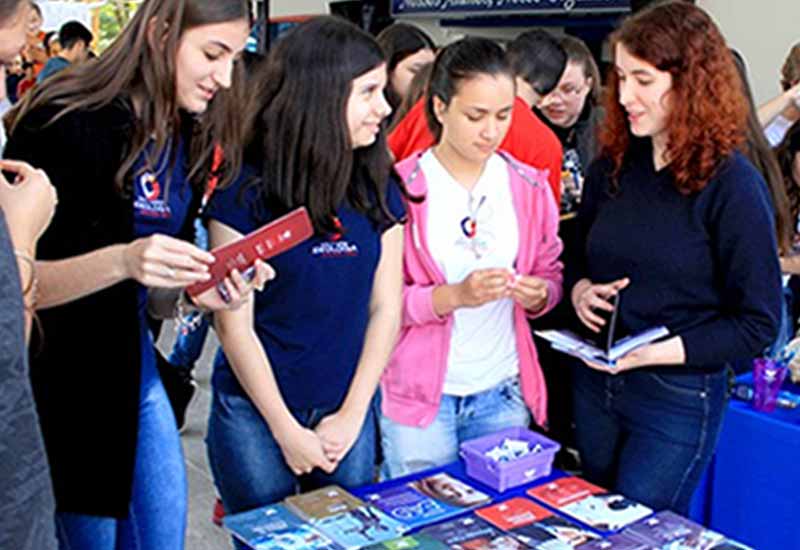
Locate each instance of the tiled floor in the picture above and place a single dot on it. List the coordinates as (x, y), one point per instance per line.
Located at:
(202, 534)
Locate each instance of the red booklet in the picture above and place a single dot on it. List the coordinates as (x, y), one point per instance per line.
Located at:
(270, 240)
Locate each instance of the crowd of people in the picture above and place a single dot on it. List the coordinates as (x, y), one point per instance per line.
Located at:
(459, 195)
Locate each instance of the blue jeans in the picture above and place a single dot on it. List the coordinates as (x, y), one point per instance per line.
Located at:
(649, 433)
(248, 466)
(409, 449)
(158, 508)
(188, 347)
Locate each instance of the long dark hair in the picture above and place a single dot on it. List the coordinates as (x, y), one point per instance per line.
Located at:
(462, 60)
(300, 135)
(758, 151)
(786, 153)
(141, 64)
(399, 41)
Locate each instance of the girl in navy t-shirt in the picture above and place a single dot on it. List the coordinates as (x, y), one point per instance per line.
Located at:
(294, 387)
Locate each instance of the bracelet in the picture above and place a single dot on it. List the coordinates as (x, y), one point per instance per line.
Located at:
(32, 283)
(187, 314)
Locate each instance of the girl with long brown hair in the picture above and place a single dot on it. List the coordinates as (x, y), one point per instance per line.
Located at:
(677, 222)
(128, 141)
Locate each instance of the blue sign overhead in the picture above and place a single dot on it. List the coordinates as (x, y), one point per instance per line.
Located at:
(499, 7)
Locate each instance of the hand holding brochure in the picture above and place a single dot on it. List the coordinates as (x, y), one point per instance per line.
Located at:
(270, 240)
(605, 350)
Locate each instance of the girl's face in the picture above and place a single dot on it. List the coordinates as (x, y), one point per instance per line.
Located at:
(644, 94)
(405, 71)
(477, 119)
(205, 60)
(565, 103)
(367, 107)
(14, 32)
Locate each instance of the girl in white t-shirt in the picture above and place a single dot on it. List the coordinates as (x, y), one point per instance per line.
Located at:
(480, 256)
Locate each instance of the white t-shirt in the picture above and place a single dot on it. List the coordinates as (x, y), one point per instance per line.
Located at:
(483, 350)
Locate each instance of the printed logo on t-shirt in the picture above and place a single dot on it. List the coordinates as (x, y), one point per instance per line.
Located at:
(148, 198)
(335, 249)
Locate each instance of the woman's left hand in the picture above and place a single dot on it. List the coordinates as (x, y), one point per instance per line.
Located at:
(530, 292)
(667, 352)
(338, 433)
(239, 289)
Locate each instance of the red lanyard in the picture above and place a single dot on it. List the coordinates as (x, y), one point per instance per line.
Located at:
(213, 178)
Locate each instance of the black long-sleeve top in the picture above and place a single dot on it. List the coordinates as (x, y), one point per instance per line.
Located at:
(705, 265)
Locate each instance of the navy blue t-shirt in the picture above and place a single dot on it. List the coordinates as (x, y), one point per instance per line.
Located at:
(161, 202)
(311, 319)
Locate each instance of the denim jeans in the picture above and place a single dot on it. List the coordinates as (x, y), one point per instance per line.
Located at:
(649, 433)
(409, 449)
(158, 508)
(189, 346)
(247, 464)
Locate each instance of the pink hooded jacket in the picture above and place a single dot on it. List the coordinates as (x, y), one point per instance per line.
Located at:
(414, 377)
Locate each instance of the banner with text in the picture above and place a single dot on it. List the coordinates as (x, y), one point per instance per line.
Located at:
(500, 7)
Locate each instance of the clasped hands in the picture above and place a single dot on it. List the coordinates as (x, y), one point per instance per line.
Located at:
(487, 285)
(323, 447)
(588, 298)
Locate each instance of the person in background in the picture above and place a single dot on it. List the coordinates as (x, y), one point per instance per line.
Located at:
(676, 222)
(14, 74)
(570, 110)
(75, 41)
(51, 44)
(294, 383)
(782, 111)
(758, 151)
(480, 258)
(129, 143)
(416, 91)
(27, 203)
(34, 51)
(537, 61)
(407, 49)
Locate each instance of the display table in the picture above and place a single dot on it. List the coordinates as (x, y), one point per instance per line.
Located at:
(752, 489)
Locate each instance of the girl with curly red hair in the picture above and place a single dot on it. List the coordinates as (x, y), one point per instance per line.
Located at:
(678, 223)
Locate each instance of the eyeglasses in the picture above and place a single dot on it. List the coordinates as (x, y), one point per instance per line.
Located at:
(567, 91)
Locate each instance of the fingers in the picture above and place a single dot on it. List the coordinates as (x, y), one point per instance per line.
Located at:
(264, 273)
(17, 167)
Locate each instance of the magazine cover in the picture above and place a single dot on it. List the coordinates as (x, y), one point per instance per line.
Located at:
(427, 500)
(322, 503)
(590, 504)
(472, 533)
(360, 527)
(535, 526)
(669, 531)
(275, 528)
(413, 542)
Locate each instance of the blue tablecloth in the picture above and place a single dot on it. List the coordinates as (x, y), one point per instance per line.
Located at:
(752, 490)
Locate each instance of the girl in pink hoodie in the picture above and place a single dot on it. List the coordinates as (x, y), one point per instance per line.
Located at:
(480, 257)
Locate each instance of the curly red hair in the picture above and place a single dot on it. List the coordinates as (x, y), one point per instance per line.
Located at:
(708, 114)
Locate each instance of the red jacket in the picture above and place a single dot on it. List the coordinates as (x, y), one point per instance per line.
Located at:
(528, 140)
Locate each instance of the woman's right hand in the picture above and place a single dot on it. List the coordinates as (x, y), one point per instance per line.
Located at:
(165, 262)
(588, 297)
(302, 450)
(483, 286)
(29, 203)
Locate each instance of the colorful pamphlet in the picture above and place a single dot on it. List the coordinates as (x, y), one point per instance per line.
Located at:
(669, 531)
(275, 528)
(412, 542)
(535, 526)
(618, 541)
(427, 500)
(360, 527)
(590, 504)
(472, 533)
(322, 503)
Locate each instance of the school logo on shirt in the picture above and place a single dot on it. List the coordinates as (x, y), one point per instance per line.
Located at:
(335, 249)
(148, 198)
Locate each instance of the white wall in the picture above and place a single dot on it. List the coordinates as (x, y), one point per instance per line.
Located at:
(763, 31)
(56, 14)
(286, 8)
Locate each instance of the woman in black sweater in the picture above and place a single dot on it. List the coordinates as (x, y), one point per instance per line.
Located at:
(676, 217)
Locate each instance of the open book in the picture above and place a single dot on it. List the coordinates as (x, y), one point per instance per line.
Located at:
(604, 349)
